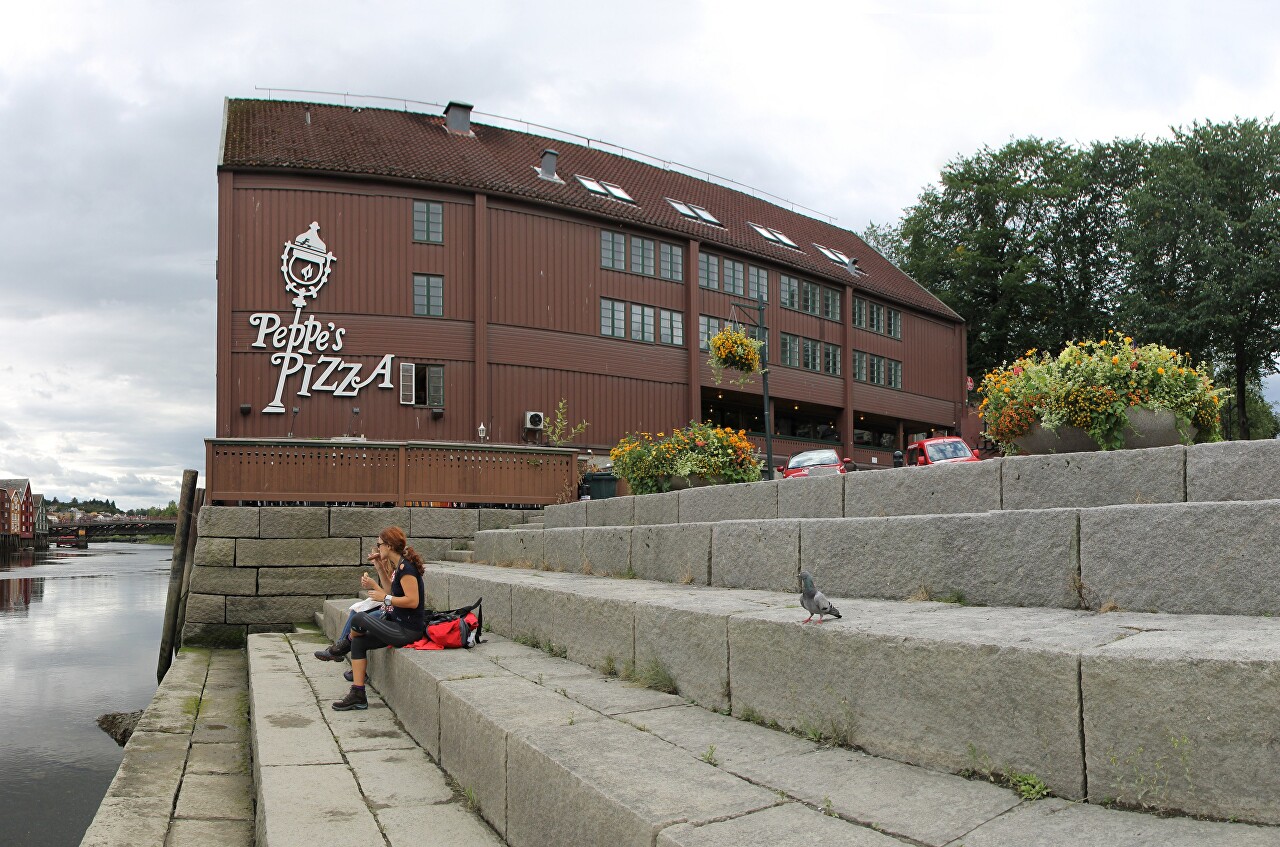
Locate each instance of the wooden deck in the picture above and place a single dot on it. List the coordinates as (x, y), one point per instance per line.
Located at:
(245, 470)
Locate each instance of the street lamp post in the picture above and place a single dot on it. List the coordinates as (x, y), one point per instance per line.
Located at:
(758, 305)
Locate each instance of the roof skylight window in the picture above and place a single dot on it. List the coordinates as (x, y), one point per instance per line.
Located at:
(694, 213)
(774, 236)
(834, 255)
(605, 189)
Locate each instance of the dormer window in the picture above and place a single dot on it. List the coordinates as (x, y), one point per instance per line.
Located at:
(605, 189)
(694, 213)
(773, 235)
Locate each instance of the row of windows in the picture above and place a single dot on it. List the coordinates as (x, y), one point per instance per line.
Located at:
(877, 318)
(648, 257)
(732, 277)
(821, 300)
(799, 352)
(877, 370)
(647, 323)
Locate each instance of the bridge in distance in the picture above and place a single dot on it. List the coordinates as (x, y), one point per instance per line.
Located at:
(84, 531)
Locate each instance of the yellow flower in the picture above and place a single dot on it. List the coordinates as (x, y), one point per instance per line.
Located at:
(1160, 370)
(1103, 342)
(1115, 360)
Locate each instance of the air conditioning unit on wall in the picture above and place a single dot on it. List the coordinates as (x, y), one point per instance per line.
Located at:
(534, 420)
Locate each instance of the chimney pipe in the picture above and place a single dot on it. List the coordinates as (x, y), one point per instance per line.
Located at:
(457, 118)
(548, 168)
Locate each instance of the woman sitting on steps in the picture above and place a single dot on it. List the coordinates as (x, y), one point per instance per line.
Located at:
(404, 616)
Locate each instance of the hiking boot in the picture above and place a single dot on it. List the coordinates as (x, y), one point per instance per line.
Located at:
(334, 652)
(348, 676)
(355, 699)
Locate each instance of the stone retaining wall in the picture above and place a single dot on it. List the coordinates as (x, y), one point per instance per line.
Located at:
(262, 569)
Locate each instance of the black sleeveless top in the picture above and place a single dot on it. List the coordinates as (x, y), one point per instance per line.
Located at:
(415, 618)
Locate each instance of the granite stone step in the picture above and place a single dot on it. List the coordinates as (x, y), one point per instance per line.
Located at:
(1123, 707)
(555, 752)
(1184, 558)
(459, 556)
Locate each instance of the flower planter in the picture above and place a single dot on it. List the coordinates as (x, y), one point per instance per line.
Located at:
(1146, 428)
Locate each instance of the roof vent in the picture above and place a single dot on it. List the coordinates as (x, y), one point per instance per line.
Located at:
(548, 168)
(457, 118)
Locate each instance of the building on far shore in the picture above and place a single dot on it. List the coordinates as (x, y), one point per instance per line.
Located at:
(406, 276)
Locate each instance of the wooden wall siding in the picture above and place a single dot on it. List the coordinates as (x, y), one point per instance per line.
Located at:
(372, 238)
(370, 335)
(385, 473)
(515, 345)
(612, 405)
(903, 404)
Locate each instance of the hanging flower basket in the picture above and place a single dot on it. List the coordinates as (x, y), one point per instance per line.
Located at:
(732, 349)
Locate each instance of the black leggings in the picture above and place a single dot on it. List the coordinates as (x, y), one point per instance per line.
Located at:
(379, 632)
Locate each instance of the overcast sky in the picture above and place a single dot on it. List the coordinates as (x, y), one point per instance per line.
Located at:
(110, 114)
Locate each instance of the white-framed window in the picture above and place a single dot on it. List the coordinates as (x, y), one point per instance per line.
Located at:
(641, 323)
(642, 255)
(859, 312)
(709, 271)
(875, 317)
(613, 318)
(708, 327)
(789, 291)
(831, 303)
(834, 255)
(894, 324)
(893, 374)
(605, 189)
(859, 366)
(428, 222)
(789, 349)
(421, 385)
(671, 262)
(810, 297)
(696, 213)
(811, 354)
(875, 370)
(770, 234)
(613, 250)
(831, 359)
(671, 327)
(428, 295)
(733, 276)
(757, 282)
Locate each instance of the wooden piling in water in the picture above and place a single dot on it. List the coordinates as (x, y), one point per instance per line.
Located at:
(176, 570)
(192, 535)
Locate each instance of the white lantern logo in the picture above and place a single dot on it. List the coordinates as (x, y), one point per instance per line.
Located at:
(306, 263)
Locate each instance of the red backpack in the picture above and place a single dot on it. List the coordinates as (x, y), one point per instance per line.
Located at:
(454, 628)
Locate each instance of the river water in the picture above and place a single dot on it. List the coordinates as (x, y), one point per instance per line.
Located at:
(79, 636)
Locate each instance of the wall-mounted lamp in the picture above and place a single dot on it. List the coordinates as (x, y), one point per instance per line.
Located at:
(437, 413)
(291, 420)
(355, 410)
(245, 408)
(480, 432)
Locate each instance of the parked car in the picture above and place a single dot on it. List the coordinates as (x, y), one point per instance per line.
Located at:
(939, 451)
(813, 463)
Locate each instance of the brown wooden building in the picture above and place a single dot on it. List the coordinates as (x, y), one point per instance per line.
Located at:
(404, 276)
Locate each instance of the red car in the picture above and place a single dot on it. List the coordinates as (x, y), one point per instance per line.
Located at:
(813, 463)
(939, 451)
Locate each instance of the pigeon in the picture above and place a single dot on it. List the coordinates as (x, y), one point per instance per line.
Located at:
(814, 601)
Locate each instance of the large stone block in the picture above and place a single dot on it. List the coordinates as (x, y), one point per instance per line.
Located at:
(819, 497)
(957, 694)
(294, 522)
(358, 522)
(756, 554)
(430, 549)
(565, 787)
(1185, 720)
(228, 522)
(478, 718)
(444, 523)
(1233, 470)
(606, 550)
(215, 552)
(563, 549)
(209, 580)
(206, 608)
(676, 553)
(343, 579)
(436, 584)
(272, 553)
(273, 610)
(1024, 558)
(213, 635)
(773, 827)
(744, 501)
(930, 490)
(1116, 477)
(657, 508)
(518, 547)
(612, 511)
(1185, 558)
(500, 518)
(566, 515)
(589, 632)
(466, 588)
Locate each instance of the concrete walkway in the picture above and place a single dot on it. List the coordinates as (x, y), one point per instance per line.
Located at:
(326, 777)
(185, 780)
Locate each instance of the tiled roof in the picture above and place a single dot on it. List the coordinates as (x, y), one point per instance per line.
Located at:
(274, 134)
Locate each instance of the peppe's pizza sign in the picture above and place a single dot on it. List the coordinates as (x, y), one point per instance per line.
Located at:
(307, 348)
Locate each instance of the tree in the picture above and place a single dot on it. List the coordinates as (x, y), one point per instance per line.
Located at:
(1203, 244)
(1263, 421)
(1020, 243)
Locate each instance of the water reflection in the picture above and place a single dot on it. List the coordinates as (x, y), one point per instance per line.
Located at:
(79, 634)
